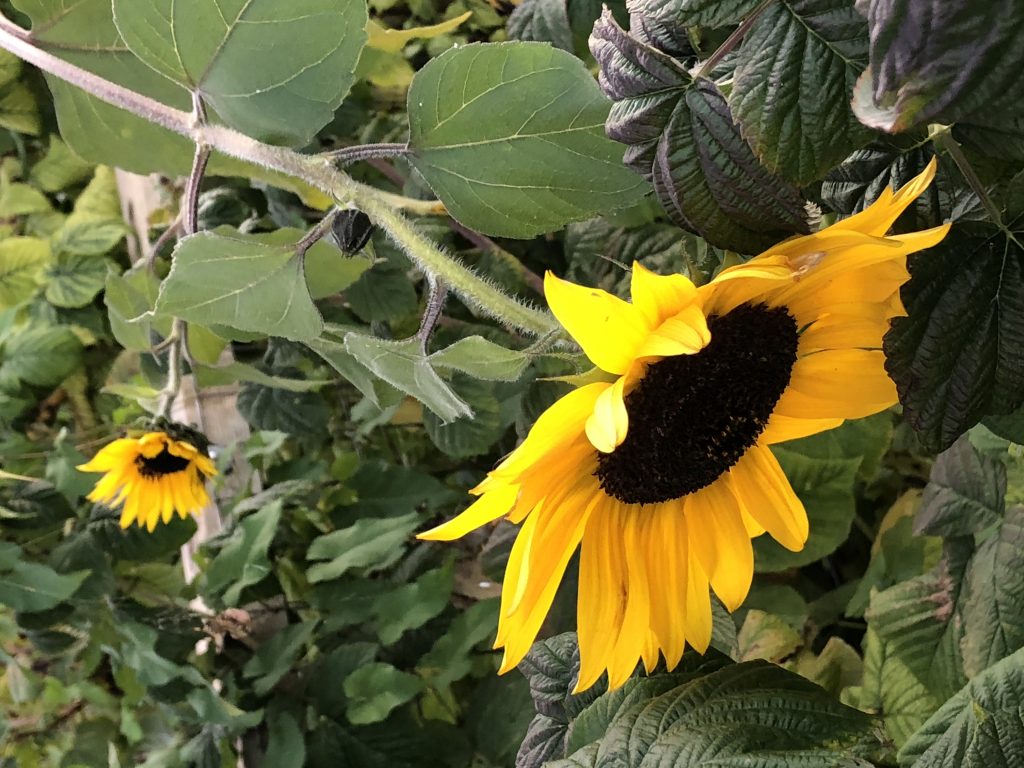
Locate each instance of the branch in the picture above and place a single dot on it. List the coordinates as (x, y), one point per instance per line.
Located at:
(319, 171)
(349, 155)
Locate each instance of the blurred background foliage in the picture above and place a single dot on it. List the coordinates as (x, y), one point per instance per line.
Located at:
(316, 631)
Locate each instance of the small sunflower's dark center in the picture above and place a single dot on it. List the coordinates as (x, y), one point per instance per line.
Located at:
(692, 417)
(164, 463)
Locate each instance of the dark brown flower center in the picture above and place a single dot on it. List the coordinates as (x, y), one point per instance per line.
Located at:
(164, 463)
(692, 417)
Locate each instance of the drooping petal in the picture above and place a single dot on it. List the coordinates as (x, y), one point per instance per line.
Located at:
(486, 509)
(667, 571)
(608, 423)
(842, 383)
(607, 328)
(685, 333)
(697, 605)
(781, 428)
(629, 647)
(715, 526)
(766, 495)
(879, 217)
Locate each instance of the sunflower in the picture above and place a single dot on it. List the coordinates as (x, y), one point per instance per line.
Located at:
(153, 475)
(663, 473)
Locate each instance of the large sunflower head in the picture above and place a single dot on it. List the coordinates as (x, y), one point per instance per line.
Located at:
(663, 474)
(153, 475)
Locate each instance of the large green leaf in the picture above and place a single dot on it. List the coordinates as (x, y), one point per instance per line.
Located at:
(403, 365)
(965, 493)
(240, 282)
(39, 355)
(275, 657)
(74, 280)
(29, 587)
(375, 689)
(688, 13)
(955, 61)
(22, 262)
(993, 601)
(369, 545)
(243, 561)
(511, 138)
(981, 727)
(681, 136)
(412, 605)
(545, 21)
(308, 50)
(956, 358)
(794, 76)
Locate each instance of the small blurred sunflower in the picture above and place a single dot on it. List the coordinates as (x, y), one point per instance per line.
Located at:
(663, 474)
(154, 475)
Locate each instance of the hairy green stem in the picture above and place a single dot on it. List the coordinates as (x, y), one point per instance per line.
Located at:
(319, 171)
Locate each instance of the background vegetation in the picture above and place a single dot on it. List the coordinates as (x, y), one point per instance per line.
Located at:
(317, 632)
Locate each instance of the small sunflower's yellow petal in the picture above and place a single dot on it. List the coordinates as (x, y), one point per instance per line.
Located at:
(182, 450)
(685, 333)
(878, 217)
(130, 511)
(607, 426)
(715, 526)
(781, 428)
(152, 444)
(106, 487)
(636, 620)
(112, 456)
(697, 606)
(486, 509)
(602, 592)
(205, 465)
(659, 297)
(559, 425)
(607, 328)
(765, 493)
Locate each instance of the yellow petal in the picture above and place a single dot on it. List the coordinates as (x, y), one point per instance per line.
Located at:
(685, 333)
(112, 456)
(766, 495)
(698, 596)
(659, 297)
(601, 602)
(878, 217)
(486, 509)
(667, 569)
(842, 383)
(607, 328)
(636, 620)
(716, 529)
(607, 426)
(781, 428)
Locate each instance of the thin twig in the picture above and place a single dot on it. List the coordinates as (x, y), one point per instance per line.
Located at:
(435, 303)
(731, 42)
(167, 235)
(316, 234)
(348, 155)
(174, 355)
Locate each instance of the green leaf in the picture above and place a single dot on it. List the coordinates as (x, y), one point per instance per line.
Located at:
(286, 747)
(308, 53)
(32, 587)
(795, 74)
(302, 414)
(511, 138)
(242, 283)
(825, 486)
(220, 375)
(369, 545)
(481, 359)
(22, 261)
(953, 357)
(328, 270)
(768, 637)
(243, 560)
(544, 21)
(891, 691)
(981, 727)
(704, 13)
(378, 392)
(376, 689)
(387, 490)
(383, 293)
(59, 168)
(19, 110)
(275, 657)
(965, 493)
(39, 355)
(130, 299)
(403, 365)
(469, 436)
(450, 659)
(993, 598)
(21, 200)
(74, 280)
(753, 714)
(89, 237)
(681, 136)
(412, 605)
(920, 621)
(960, 65)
